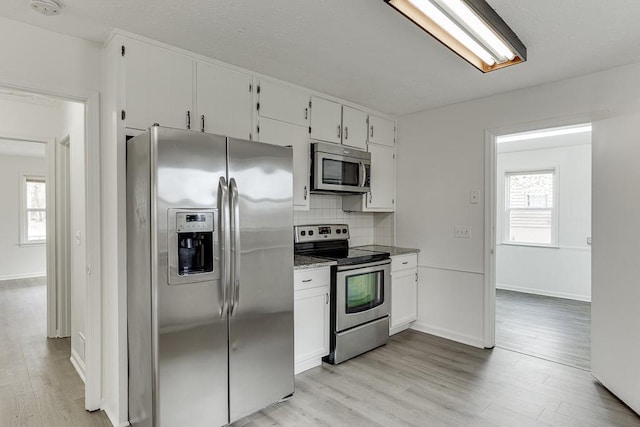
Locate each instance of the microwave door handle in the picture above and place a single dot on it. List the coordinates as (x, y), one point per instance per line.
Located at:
(363, 174)
(225, 242)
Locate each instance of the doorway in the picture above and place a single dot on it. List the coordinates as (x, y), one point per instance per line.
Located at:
(44, 297)
(542, 243)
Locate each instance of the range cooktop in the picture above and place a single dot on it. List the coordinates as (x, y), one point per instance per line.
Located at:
(331, 241)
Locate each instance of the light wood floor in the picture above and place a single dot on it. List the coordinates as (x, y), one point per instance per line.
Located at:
(421, 380)
(416, 379)
(38, 384)
(556, 329)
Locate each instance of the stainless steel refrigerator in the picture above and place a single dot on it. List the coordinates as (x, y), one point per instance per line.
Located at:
(209, 277)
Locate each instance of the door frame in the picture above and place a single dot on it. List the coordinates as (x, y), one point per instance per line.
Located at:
(490, 188)
(58, 292)
(93, 344)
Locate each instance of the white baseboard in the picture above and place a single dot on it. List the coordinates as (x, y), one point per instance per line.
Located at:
(114, 419)
(449, 334)
(307, 364)
(78, 364)
(22, 276)
(399, 328)
(585, 298)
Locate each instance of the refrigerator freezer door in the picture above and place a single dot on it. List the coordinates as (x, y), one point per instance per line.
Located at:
(261, 366)
(192, 357)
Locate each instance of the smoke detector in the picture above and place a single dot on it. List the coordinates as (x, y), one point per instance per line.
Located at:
(46, 7)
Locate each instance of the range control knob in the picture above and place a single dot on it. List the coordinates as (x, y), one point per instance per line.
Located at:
(338, 231)
(303, 233)
(344, 230)
(310, 232)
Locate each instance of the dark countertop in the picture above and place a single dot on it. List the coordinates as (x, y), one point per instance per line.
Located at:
(302, 262)
(393, 250)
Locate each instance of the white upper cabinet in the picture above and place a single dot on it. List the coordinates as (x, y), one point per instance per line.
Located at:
(286, 134)
(136, 82)
(284, 103)
(381, 131)
(354, 128)
(326, 120)
(223, 99)
(381, 196)
(171, 89)
(158, 86)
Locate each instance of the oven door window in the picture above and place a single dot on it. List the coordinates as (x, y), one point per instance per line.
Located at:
(340, 172)
(364, 291)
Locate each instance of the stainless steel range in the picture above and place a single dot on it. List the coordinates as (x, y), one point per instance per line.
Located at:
(360, 289)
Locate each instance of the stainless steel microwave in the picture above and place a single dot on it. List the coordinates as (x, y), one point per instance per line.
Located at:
(339, 169)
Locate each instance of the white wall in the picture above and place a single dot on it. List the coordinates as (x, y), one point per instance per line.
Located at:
(18, 261)
(31, 121)
(39, 58)
(73, 126)
(35, 58)
(441, 158)
(563, 271)
(327, 209)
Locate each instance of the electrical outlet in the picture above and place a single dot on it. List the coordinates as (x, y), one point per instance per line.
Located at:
(462, 232)
(474, 197)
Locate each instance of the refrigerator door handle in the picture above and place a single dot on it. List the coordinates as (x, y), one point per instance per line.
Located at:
(235, 248)
(224, 227)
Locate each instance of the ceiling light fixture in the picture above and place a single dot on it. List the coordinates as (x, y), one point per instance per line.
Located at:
(46, 7)
(470, 28)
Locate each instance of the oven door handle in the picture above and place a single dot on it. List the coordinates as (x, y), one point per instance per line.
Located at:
(341, 268)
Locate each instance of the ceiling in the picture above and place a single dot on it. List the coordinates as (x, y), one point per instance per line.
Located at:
(362, 50)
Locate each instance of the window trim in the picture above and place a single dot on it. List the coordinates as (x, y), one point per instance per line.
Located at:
(24, 210)
(554, 209)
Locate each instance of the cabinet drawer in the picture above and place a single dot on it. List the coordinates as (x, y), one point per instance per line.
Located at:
(403, 262)
(311, 278)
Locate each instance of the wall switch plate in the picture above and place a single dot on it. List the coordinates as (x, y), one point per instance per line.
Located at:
(462, 232)
(474, 197)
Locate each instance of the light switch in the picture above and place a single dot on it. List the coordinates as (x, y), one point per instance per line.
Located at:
(474, 197)
(462, 232)
(78, 238)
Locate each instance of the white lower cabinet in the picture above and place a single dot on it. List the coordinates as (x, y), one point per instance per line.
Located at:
(404, 292)
(311, 316)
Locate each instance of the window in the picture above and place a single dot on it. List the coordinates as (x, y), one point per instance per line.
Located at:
(530, 215)
(34, 214)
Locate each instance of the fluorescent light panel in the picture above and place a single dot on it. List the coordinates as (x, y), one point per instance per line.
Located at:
(471, 28)
(569, 130)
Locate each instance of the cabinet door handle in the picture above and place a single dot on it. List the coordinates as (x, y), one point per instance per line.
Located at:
(416, 277)
(370, 197)
(188, 119)
(202, 119)
(339, 131)
(326, 298)
(306, 113)
(405, 263)
(346, 132)
(307, 280)
(305, 192)
(371, 131)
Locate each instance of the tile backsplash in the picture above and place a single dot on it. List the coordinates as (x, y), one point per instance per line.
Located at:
(366, 228)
